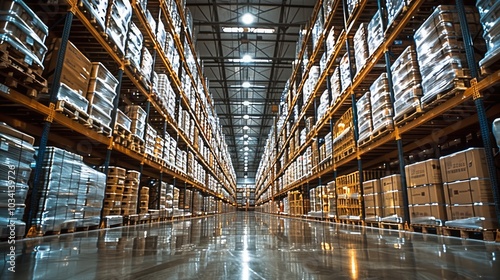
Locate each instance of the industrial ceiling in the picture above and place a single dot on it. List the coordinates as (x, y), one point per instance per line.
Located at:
(247, 66)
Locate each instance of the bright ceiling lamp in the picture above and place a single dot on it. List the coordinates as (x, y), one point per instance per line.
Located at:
(245, 143)
(246, 117)
(246, 103)
(246, 58)
(246, 153)
(246, 84)
(229, 29)
(247, 18)
(245, 136)
(246, 128)
(246, 149)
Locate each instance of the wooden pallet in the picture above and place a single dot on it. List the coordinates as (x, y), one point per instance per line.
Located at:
(395, 226)
(351, 222)
(339, 155)
(472, 233)
(459, 86)
(408, 116)
(99, 127)
(16, 74)
(376, 135)
(426, 229)
(71, 111)
(86, 228)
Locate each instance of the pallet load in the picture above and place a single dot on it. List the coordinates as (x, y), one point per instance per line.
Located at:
(375, 35)
(489, 11)
(440, 51)
(372, 198)
(344, 143)
(197, 203)
(381, 105)
(130, 193)
(134, 46)
(115, 187)
(137, 127)
(345, 72)
(16, 156)
(143, 200)
(360, 47)
(324, 103)
(336, 86)
(64, 186)
(96, 10)
(406, 83)
(425, 193)
(392, 199)
(364, 110)
(101, 95)
(150, 140)
(468, 192)
(394, 8)
(117, 23)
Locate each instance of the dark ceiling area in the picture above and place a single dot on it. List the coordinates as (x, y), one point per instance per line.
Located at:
(247, 66)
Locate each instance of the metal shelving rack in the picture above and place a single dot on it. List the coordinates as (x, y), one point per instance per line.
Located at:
(395, 144)
(104, 150)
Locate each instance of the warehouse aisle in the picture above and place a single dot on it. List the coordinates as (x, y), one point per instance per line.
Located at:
(247, 245)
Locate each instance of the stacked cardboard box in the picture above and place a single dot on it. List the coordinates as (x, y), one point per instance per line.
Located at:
(425, 192)
(16, 156)
(440, 50)
(93, 183)
(317, 30)
(406, 83)
(392, 199)
(488, 12)
(138, 117)
(364, 110)
(381, 105)
(150, 138)
(114, 191)
(468, 192)
(143, 200)
(101, 94)
(130, 193)
(372, 198)
(118, 22)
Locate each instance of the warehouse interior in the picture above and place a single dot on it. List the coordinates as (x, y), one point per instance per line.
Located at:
(249, 139)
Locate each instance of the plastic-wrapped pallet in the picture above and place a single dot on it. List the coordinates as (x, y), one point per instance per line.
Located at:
(117, 22)
(98, 9)
(394, 7)
(406, 83)
(328, 7)
(146, 64)
(330, 41)
(21, 28)
(134, 46)
(323, 105)
(317, 30)
(345, 72)
(151, 21)
(375, 33)
(336, 87)
(123, 120)
(130, 193)
(363, 107)
(150, 139)
(93, 184)
(138, 117)
(440, 51)
(351, 6)
(489, 13)
(360, 47)
(16, 156)
(161, 35)
(101, 94)
(380, 99)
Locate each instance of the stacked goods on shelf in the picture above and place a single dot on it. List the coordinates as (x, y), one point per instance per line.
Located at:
(181, 160)
(150, 138)
(335, 86)
(16, 155)
(364, 110)
(317, 30)
(360, 47)
(372, 200)
(394, 7)
(489, 11)
(319, 201)
(75, 74)
(345, 73)
(172, 152)
(146, 65)
(440, 51)
(23, 33)
(468, 191)
(143, 200)
(115, 187)
(209, 204)
(286, 206)
(324, 103)
(134, 46)
(309, 86)
(375, 33)
(159, 147)
(328, 7)
(425, 193)
(330, 41)
(101, 94)
(64, 185)
(392, 199)
(185, 199)
(197, 203)
(343, 141)
(138, 117)
(123, 122)
(130, 193)
(166, 94)
(351, 6)
(381, 105)
(349, 195)
(295, 202)
(406, 83)
(118, 22)
(332, 199)
(97, 9)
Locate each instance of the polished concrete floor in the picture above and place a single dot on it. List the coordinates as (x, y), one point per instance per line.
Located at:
(248, 245)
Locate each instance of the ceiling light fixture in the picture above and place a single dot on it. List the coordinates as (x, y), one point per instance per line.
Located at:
(246, 84)
(246, 58)
(246, 153)
(247, 18)
(245, 136)
(246, 117)
(228, 29)
(246, 128)
(246, 103)
(246, 149)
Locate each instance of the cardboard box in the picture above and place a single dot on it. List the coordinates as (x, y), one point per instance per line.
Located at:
(372, 200)
(389, 211)
(392, 199)
(464, 165)
(423, 173)
(76, 67)
(425, 213)
(390, 183)
(481, 190)
(426, 194)
(372, 213)
(484, 211)
(458, 192)
(371, 186)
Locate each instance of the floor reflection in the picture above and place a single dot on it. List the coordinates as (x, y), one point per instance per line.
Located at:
(247, 245)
